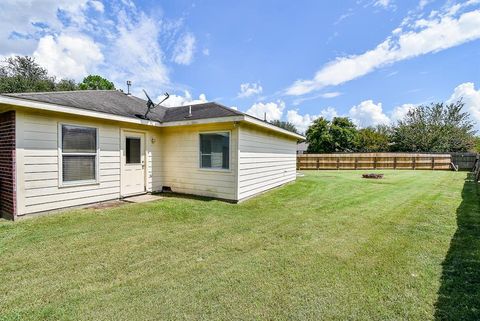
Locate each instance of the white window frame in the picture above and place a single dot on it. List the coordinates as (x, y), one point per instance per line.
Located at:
(229, 169)
(95, 181)
(140, 139)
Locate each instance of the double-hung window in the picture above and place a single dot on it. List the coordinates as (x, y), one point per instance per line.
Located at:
(79, 154)
(215, 150)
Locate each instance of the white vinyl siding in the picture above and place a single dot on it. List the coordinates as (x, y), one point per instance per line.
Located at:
(38, 164)
(153, 145)
(180, 162)
(266, 160)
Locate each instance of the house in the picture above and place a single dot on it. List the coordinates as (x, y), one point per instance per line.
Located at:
(64, 149)
(302, 148)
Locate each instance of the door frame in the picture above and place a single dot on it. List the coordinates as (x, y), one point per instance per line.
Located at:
(123, 135)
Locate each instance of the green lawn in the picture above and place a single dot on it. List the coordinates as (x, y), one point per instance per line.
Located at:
(331, 246)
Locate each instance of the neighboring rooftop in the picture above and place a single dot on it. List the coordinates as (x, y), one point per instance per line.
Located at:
(117, 103)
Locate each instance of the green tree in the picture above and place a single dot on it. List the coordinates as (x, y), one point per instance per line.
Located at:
(285, 125)
(66, 85)
(435, 128)
(476, 146)
(344, 134)
(318, 136)
(374, 139)
(339, 135)
(96, 82)
(23, 74)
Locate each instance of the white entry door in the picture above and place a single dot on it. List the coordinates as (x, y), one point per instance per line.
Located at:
(133, 163)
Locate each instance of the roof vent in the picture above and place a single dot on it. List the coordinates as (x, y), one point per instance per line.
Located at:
(189, 112)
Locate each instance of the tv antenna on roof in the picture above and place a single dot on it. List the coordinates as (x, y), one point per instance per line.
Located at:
(151, 105)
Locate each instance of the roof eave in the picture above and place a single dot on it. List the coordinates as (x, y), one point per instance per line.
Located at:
(261, 123)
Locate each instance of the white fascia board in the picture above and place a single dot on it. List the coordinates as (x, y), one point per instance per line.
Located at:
(258, 122)
(72, 110)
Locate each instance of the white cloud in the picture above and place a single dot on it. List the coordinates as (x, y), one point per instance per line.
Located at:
(423, 3)
(471, 98)
(399, 112)
(367, 113)
(128, 58)
(383, 3)
(301, 122)
(326, 95)
(329, 113)
(121, 43)
(23, 22)
(331, 94)
(184, 49)
(273, 110)
(68, 56)
(250, 89)
(97, 5)
(186, 99)
(442, 31)
(206, 52)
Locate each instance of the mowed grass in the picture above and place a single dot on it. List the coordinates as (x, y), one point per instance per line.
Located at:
(330, 246)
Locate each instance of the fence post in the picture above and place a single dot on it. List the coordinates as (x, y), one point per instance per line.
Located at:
(394, 163)
(433, 162)
(374, 162)
(318, 163)
(338, 162)
(356, 162)
(413, 161)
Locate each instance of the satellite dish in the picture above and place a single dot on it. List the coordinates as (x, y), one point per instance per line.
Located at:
(151, 105)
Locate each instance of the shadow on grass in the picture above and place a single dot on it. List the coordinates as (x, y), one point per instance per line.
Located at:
(459, 294)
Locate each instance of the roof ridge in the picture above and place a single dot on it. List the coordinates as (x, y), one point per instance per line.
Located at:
(61, 92)
(196, 104)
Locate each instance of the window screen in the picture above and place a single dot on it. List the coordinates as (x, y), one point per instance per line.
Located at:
(78, 168)
(79, 139)
(79, 153)
(133, 150)
(215, 150)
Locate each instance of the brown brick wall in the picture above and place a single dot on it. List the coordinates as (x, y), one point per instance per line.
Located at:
(7, 165)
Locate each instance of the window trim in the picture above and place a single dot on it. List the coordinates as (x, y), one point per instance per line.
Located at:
(86, 182)
(223, 170)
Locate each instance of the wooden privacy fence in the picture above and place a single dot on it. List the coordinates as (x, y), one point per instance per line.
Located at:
(464, 161)
(374, 161)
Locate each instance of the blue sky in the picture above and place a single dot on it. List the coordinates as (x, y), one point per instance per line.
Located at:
(371, 60)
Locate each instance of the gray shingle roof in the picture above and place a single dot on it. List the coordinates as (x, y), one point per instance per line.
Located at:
(118, 103)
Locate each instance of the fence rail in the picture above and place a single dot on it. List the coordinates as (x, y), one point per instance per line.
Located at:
(374, 161)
